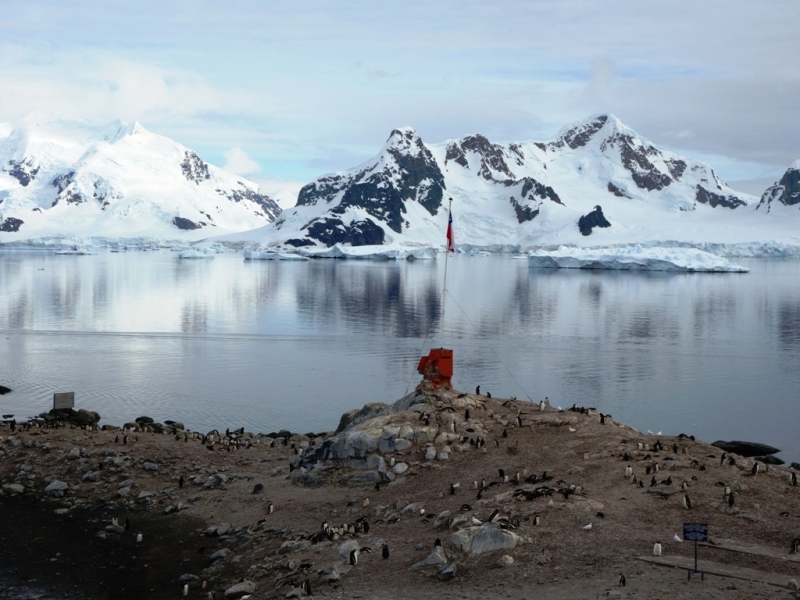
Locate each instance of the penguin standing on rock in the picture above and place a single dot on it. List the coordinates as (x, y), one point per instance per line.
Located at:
(385, 552)
(687, 502)
(754, 470)
(793, 478)
(622, 580)
(478, 391)
(354, 556)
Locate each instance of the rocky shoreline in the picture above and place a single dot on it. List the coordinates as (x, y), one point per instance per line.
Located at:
(441, 495)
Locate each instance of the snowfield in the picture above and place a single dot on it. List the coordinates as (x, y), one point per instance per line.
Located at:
(633, 258)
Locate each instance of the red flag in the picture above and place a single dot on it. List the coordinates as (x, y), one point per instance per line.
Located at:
(451, 242)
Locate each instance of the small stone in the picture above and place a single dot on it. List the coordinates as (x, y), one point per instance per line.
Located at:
(148, 466)
(61, 511)
(400, 468)
(219, 554)
(365, 503)
(614, 594)
(240, 589)
(443, 456)
(223, 529)
(89, 476)
(430, 453)
(448, 572)
(74, 453)
(792, 585)
(506, 561)
(56, 488)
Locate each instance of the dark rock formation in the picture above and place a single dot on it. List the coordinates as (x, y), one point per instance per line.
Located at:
(491, 155)
(358, 233)
(408, 172)
(705, 197)
(534, 193)
(748, 449)
(769, 460)
(11, 224)
(187, 224)
(580, 135)
(4, 390)
(23, 171)
(591, 220)
(194, 169)
(617, 191)
(269, 208)
(786, 191)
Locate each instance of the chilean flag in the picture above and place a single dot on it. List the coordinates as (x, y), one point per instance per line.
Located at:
(451, 242)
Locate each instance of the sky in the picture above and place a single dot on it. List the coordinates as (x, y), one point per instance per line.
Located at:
(283, 92)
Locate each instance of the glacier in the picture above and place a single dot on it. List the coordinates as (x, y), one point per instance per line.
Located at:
(633, 258)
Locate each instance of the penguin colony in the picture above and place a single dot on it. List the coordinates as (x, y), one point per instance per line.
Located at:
(670, 478)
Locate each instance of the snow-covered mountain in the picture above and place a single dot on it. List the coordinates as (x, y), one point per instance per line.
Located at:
(60, 178)
(785, 192)
(522, 195)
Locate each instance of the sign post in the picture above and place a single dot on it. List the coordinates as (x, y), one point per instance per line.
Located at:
(64, 400)
(697, 532)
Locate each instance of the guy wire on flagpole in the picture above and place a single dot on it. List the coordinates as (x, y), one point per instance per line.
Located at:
(446, 253)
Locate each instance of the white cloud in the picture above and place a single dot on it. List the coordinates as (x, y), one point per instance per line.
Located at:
(237, 161)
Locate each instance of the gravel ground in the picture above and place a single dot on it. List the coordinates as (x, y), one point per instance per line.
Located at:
(66, 546)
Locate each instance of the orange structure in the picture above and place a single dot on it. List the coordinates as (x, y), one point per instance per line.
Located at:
(436, 369)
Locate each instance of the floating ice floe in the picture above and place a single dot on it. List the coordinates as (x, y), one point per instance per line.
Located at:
(77, 251)
(197, 253)
(374, 252)
(633, 258)
(254, 255)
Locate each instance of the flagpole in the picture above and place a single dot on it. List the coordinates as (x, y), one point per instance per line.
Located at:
(446, 254)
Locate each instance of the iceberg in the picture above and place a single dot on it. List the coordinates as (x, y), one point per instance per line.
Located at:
(254, 255)
(634, 258)
(424, 252)
(197, 253)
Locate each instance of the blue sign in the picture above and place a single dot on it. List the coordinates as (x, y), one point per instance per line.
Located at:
(695, 532)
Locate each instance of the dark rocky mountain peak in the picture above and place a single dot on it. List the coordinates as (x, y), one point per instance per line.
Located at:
(580, 134)
(786, 191)
(23, 170)
(492, 156)
(404, 171)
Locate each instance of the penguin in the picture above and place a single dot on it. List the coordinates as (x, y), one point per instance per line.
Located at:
(478, 391)
(116, 440)
(437, 543)
(488, 394)
(602, 419)
(354, 556)
(185, 591)
(385, 551)
(505, 433)
(270, 508)
(541, 405)
(657, 549)
(628, 471)
(181, 481)
(687, 502)
(466, 415)
(518, 421)
(501, 472)
(377, 486)
(453, 487)
(793, 478)
(125, 440)
(795, 546)
(365, 526)
(674, 448)
(138, 537)
(621, 580)
(754, 470)
(306, 587)
(587, 527)
(536, 520)
(730, 500)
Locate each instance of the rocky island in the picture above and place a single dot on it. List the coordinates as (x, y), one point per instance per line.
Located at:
(442, 495)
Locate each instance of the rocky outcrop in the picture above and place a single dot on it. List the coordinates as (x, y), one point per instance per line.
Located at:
(786, 191)
(713, 199)
(594, 219)
(11, 224)
(193, 167)
(4, 390)
(187, 224)
(23, 171)
(747, 449)
(484, 538)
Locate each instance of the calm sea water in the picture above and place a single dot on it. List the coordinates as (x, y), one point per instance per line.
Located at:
(271, 345)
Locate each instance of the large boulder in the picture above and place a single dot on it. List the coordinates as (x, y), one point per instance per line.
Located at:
(484, 538)
(748, 449)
